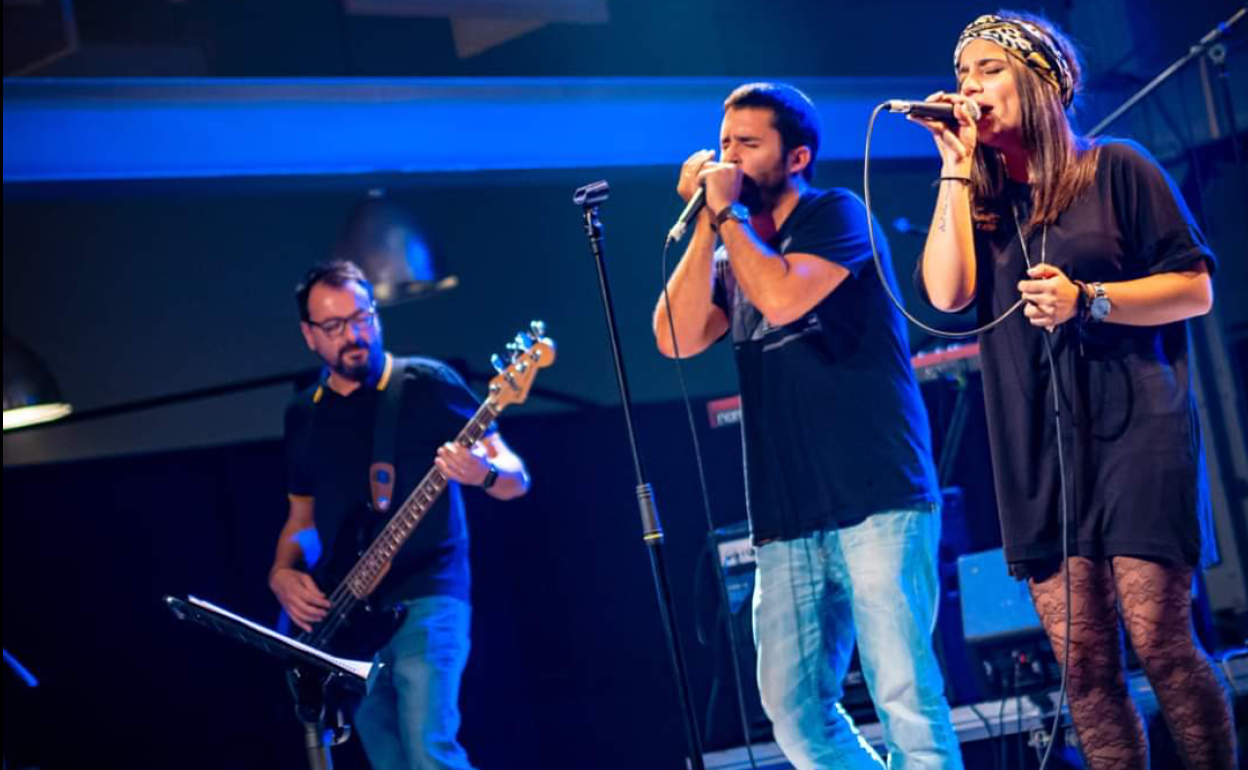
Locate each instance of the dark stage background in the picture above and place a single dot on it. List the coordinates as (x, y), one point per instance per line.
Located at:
(137, 288)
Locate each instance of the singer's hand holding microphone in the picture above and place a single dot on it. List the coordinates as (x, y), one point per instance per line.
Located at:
(689, 183)
(952, 119)
(705, 183)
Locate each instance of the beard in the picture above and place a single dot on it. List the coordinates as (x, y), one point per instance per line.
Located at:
(761, 194)
(357, 372)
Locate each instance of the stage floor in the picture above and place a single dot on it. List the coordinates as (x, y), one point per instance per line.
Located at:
(989, 719)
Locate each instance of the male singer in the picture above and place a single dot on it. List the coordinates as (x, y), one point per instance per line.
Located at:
(842, 496)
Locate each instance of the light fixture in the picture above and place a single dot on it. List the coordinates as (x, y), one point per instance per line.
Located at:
(30, 392)
(383, 240)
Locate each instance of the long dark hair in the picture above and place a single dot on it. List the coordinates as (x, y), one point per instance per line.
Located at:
(1060, 164)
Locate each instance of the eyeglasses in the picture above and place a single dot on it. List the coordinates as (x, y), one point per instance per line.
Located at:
(333, 327)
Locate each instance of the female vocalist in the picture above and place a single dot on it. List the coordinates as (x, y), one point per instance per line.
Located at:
(1108, 264)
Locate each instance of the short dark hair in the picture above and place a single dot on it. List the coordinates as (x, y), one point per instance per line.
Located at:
(336, 273)
(793, 114)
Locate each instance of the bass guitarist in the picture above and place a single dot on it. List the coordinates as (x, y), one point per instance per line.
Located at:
(410, 716)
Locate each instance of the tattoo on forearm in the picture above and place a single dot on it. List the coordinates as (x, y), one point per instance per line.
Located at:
(944, 207)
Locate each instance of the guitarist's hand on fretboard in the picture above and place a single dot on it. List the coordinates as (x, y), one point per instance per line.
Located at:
(299, 596)
(467, 466)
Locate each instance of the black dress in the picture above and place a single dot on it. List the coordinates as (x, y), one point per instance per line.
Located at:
(1131, 441)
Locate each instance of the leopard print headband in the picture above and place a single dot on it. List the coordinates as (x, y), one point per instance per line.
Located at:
(1026, 42)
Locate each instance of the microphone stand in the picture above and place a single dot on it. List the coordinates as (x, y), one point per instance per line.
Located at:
(1199, 49)
(588, 198)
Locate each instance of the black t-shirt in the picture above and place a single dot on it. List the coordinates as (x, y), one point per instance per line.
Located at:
(833, 426)
(1130, 435)
(329, 446)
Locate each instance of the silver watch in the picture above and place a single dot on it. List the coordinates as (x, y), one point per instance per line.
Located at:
(1099, 307)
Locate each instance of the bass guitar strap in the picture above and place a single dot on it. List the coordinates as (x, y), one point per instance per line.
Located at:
(385, 435)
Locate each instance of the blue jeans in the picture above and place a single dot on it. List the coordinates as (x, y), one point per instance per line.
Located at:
(410, 717)
(880, 578)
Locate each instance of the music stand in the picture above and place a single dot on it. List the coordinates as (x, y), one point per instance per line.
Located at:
(312, 671)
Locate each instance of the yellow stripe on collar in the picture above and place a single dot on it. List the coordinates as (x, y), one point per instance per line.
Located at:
(382, 381)
(385, 373)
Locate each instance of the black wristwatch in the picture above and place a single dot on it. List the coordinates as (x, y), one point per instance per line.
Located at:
(491, 476)
(736, 211)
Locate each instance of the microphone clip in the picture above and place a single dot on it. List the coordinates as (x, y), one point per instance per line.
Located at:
(592, 194)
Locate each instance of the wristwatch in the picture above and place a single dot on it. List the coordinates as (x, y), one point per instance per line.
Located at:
(1099, 305)
(736, 211)
(490, 477)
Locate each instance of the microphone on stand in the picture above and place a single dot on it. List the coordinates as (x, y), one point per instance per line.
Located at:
(931, 110)
(692, 208)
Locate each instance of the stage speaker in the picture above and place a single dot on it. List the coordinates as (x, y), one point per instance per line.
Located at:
(1004, 638)
(729, 550)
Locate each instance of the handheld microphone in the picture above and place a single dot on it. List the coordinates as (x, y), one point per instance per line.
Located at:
(931, 110)
(692, 208)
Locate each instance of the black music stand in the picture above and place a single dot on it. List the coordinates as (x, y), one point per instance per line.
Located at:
(311, 671)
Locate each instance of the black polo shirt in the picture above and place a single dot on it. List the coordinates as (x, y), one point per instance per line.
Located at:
(329, 444)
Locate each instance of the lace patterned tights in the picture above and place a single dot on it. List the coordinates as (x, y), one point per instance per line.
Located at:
(1153, 601)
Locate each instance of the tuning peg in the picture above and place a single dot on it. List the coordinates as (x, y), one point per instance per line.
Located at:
(497, 362)
(515, 347)
(538, 328)
(524, 340)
